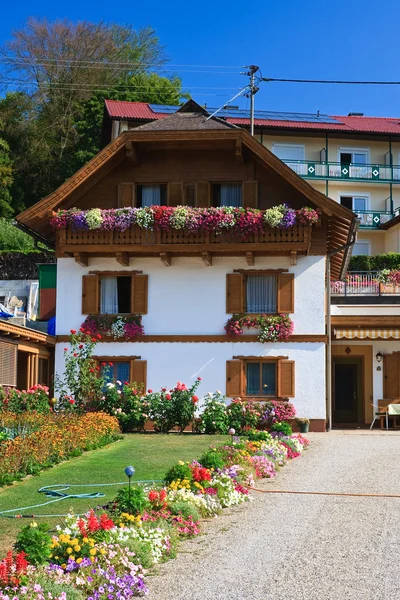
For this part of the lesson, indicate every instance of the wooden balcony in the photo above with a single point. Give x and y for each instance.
(135, 241)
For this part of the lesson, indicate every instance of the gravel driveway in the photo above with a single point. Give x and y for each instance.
(302, 547)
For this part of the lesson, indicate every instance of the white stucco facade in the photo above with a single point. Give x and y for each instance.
(189, 298)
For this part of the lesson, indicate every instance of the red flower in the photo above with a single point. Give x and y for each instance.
(91, 370)
(149, 391)
(103, 364)
(97, 368)
(73, 331)
(111, 364)
(199, 379)
(134, 391)
(65, 349)
(81, 330)
(80, 346)
(98, 336)
(75, 354)
(153, 496)
(168, 397)
(71, 401)
(126, 383)
(163, 495)
(195, 399)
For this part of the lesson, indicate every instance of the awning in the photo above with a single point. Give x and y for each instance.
(371, 334)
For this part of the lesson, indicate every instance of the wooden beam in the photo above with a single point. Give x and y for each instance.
(132, 153)
(293, 257)
(250, 258)
(207, 258)
(239, 150)
(122, 258)
(165, 258)
(81, 258)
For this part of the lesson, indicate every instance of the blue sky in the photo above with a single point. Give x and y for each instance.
(357, 39)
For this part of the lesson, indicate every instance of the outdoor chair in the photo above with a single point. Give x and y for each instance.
(382, 412)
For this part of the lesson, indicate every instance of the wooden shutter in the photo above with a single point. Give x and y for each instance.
(139, 373)
(286, 379)
(250, 194)
(286, 293)
(8, 364)
(234, 293)
(203, 194)
(125, 195)
(90, 295)
(175, 194)
(139, 293)
(391, 376)
(234, 378)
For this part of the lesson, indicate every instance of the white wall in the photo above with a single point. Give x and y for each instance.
(190, 298)
(364, 309)
(168, 363)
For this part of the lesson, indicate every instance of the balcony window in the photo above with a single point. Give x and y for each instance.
(355, 203)
(227, 194)
(151, 195)
(261, 294)
(261, 378)
(115, 295)
(362, 248)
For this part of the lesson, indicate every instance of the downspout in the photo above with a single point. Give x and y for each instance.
(352, 237)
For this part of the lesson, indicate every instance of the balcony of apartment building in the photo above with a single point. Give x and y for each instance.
(364, 287)
(352, 169)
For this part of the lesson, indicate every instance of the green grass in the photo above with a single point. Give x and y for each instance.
(151, 455)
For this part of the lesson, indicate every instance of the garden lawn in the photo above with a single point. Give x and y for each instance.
(151, 455)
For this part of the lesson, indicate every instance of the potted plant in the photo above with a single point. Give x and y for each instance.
(303, 423)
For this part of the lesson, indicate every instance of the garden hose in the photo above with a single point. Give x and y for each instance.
(59, 494)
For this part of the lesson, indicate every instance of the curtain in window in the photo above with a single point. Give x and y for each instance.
(231, 195)
(269, 379)
(151, 195)
(261, 293)
(122, 371)
(109, 296)
(253, 379)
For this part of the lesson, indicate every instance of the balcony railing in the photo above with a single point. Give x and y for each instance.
(373, 219)
(354, 172)
(363, 283)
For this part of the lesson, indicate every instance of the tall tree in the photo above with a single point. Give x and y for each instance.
(6, 177)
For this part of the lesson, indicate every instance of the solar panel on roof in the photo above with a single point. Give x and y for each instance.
(163, 108)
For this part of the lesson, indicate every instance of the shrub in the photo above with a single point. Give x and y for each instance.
(34, 399)
(243, 415)
(175, 408)
(35, 541)
(276, 410)
(258, 436)
(185, 509)
(212, 459)
(179, 471)
(214, 418)
(378, 262)
(283, 428)
(138, 500)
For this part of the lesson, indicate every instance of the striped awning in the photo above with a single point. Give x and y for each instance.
(370, 334)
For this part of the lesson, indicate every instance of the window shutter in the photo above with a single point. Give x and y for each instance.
(234, 293)
(139, 292)
(90, 295)
(139, 373)
(286, 379)
(203, 194)
(175, 194)
(234, 378)
(391, 376)
(8, 364)
(286, 293)
(250, 194)
(125, 195)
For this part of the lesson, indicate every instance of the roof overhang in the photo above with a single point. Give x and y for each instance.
(19, 333)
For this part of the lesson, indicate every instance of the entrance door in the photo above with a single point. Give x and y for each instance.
(348, 399)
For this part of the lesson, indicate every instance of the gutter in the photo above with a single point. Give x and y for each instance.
(352, 237)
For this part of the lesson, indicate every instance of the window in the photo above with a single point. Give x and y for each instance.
(119, 371)
(258, 377)
(114, 293)
(124, 368)
(355, 203)
(151, 195)
(227, 194)
(261, 379)
(260, 292)
(361, 248)
(288, 151)
(349, 156)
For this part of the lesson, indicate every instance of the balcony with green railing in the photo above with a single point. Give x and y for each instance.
(343, 171)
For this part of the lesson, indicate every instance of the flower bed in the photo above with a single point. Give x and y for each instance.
(43, 441)
(106, 554)
(16, 401)
(163, 218)
(273, 328)
(118, 327)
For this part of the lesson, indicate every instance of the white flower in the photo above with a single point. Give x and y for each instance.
(110, 386)
(218, 392)
(209, 394)
(119, 392)
(119, 383)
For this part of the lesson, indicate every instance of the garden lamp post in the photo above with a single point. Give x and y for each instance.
(129, 471)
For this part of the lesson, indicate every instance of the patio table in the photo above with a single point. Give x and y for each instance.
(394, 411)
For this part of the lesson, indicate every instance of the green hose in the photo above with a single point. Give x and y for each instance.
(60, 494)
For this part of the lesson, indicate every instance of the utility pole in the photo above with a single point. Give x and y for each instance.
(253, 89)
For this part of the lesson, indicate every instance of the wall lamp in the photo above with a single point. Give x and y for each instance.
(379, 357)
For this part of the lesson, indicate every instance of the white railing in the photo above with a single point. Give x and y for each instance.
(363, 283)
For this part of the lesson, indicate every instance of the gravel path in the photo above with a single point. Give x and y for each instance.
(302, 547)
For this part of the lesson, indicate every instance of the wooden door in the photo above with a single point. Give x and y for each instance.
(391, 375)
(348, 399)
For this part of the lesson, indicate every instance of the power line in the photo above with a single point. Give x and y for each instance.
(329, 81)
(10, 59)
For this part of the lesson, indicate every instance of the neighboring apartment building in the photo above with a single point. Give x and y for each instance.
(185, 286)
(355, 160)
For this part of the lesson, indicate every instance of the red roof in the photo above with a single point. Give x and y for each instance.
(387, 125)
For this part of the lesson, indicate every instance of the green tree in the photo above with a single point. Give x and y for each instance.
(6, 177)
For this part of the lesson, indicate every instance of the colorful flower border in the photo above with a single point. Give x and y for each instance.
(191, 220)
(276, 328)
(117, 326)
